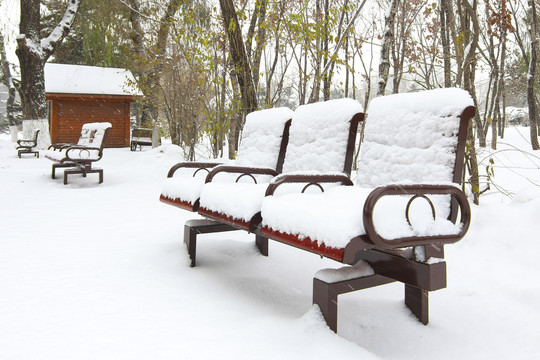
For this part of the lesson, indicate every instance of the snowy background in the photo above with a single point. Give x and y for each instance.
(99, 271)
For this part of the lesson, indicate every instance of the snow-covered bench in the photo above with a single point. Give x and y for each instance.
(263, 144)
(405, 206)
(412, 155)
(321, 140)
(141, 137)
(79, 157)
(26, 146)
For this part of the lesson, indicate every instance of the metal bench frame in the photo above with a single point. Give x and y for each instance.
(27, 146)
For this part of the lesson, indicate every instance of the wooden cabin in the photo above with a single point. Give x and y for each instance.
(77, 95)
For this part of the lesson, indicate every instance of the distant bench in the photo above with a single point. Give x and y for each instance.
(79, 157)
(26, 146)
(141, 137)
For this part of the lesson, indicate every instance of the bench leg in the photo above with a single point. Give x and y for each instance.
(83, 172)
(325, 294)
(417, 300)
(201, 226)
(190, 239)
(262, 244)
(59, 165)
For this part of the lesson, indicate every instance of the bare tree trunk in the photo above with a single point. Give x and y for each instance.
(384, 64)
(347, 68)
(493, 103)
(469, 66)
(502, 89)
(499, 117)
(268, 102)
(326, 75)
(238, 53)
(151, 74)
(235, 120)
(8, 81)
(259, 17)
(314, 96)
(533, 111)
(445, 36)
(33, 51)
(454, 35)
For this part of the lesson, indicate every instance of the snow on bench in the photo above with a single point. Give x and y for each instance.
(262, 145)
(80, 156)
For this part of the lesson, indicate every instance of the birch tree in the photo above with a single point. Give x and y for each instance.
(388, 41)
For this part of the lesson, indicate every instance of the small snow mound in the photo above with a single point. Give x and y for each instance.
(526, 194)
(167, 150)
(313, 321)
(360, 269)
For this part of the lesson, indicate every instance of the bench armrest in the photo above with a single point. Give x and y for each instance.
(421, 190)
(60, 146)
(313, 179)
(242, 170)
(192, 164)
(81, 150)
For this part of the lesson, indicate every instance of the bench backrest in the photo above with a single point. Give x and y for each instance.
(322, 137)
(141, 133)
(93, 134)
(416, 138)
(413, 137)
(264, 138)
(36, 133)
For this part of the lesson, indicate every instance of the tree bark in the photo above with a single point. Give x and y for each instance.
(238, 53)
(8, 81)
(152, 63)
(533, 111)
(259, 17)
(384, 64)
(33, 52)
(469, 68)
(445, 40)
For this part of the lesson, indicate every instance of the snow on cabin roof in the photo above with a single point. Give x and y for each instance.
(79, 79)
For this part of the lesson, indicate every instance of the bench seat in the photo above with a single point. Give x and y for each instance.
(73, 153)
(335, 217)
(407, 202)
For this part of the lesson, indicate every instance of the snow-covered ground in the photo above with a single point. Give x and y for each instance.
(99, 271)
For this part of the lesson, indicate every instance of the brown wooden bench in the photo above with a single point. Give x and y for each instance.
(141, 137)
(413, 152)
(26, 146)
(79, 157)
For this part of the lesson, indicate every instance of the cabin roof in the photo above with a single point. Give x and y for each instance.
(79, 79)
